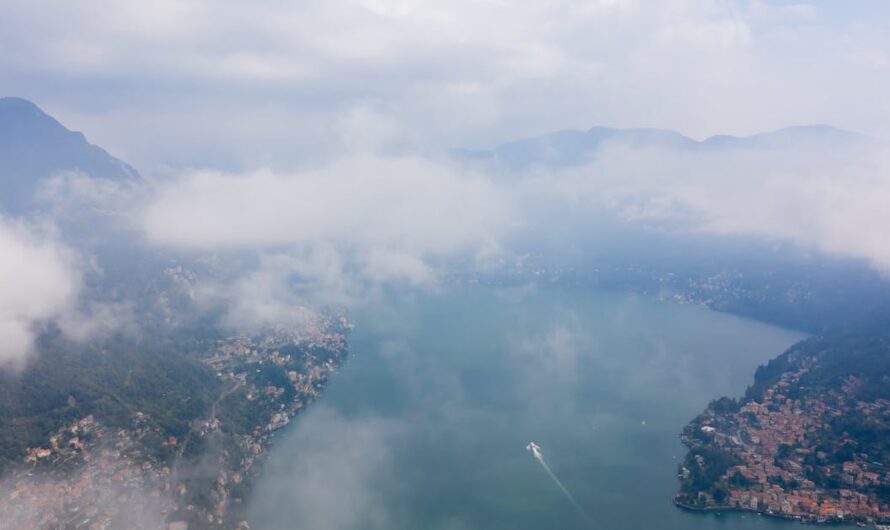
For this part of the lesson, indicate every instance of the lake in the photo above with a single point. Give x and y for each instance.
(426, 425)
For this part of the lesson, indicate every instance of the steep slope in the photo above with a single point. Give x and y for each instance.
(810, 439)
(34, 146)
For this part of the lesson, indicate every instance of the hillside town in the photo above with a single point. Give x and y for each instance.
(89, 477)
(777, 458)
(92, 477)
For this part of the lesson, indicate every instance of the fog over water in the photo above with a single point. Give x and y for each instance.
(427, 424)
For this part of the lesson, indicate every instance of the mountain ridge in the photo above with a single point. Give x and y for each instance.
(571, 147)
(35, 146)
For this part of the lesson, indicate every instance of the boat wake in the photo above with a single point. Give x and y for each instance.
(539, 456)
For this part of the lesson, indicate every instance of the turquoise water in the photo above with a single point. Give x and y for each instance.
(426, 425)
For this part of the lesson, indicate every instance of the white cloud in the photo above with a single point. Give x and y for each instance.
(331, 235)
(39, 283)
(383, 266)
(333, 481)
(269, 296)
(93, 319)
(43, 283)
(401, 204)
(335, 234)
(829, 199)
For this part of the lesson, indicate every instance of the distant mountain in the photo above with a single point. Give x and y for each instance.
(34, 146)
(799, 136)
(569, 148)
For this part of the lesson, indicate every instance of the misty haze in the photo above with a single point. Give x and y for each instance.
(379, 264)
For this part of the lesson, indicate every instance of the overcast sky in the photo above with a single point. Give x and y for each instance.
(306, 132)
(240, 85)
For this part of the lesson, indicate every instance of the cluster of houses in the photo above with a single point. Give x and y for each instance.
(86, 477)
(90, 477)
(776, 441)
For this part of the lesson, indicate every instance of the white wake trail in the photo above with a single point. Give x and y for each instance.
(536, 451)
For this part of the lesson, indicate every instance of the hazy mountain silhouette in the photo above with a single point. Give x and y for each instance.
(34, 146)
(570, 148)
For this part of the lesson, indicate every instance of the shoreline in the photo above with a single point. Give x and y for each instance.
(802, 519)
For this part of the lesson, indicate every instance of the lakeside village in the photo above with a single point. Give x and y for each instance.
(775, 458)
(92, 477)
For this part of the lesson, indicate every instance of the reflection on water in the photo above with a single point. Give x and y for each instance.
(427, 424)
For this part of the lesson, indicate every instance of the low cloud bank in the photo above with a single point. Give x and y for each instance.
(341, 232)
(832, 200)
(402, 204)
(388, 218)
(337, 233)
(333, 481)
(39, 283)
(45, 285)
(330, 235)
